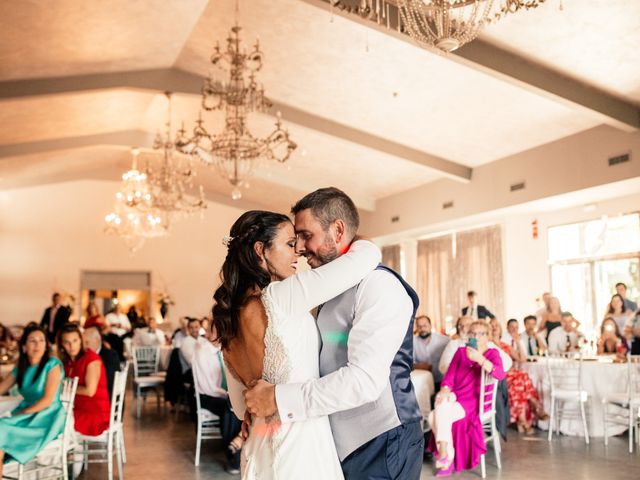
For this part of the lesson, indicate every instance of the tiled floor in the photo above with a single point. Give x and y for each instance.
(161, 447)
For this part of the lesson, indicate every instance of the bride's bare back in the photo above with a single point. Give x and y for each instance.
(245, 354)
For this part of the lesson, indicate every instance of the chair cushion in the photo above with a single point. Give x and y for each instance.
(148, 381)
(207, 416)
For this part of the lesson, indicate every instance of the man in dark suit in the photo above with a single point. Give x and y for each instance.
(473, 310)
(55, 317)
(93, 340)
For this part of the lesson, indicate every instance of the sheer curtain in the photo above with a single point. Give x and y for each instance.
(391, 257)
(451, 265)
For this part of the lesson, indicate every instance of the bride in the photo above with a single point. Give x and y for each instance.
(262, 315)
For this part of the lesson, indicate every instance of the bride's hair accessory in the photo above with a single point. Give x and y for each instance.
(226, 240)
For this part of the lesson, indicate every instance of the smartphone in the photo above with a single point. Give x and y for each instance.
(473, 343)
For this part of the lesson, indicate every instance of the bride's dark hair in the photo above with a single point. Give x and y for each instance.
(241, 270)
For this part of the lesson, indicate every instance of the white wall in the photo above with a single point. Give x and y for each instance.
(48, 234)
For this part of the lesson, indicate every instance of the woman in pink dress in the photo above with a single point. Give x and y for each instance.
(458, 437)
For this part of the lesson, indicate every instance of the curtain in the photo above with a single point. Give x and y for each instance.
(451, 265)
(391, 257)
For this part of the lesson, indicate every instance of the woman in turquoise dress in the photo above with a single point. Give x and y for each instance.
(39, 418)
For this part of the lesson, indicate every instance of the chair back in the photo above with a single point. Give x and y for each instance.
(145, 360)
(67, 397)
(196, 388)
(564, 371)
(488, 394)
(633, 376)
(117, 397)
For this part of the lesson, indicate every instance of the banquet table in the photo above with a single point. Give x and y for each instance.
(599, 377)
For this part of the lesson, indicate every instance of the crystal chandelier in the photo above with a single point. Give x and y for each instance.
(449, 24)
(235, 152)
(171, 177)
(134, 218)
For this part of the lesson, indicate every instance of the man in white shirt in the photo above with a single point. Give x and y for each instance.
(119, 322)
(427, 348)
(150, 336)
(534, 342)
(207, 366)
(188, 346)
(565, 339)
(463, 327)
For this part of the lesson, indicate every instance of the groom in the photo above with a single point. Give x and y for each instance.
(365, 359)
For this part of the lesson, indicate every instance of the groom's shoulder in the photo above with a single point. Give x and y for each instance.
(382, 281)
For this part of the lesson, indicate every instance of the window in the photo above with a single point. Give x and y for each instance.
(587, 260)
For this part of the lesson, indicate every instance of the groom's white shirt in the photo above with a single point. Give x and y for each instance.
(383, 311)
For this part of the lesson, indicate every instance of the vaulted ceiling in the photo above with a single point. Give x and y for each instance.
(372, 112)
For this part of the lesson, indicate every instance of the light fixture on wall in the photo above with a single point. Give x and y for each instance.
(171, 176)
(134, 217)
(235, 151)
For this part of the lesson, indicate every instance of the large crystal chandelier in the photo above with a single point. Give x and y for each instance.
(171, 178)
(449, 24)
(235, 152)
(134, 217)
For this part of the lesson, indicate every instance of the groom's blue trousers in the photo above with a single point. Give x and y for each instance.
(396, 454)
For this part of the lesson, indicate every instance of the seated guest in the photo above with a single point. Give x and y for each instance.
(427, 348)
(119, 322)
(181, 333)
(149, 336)
(552, 318)
(40, 417)
(92, 407)
(463, 326)
(619, 312)
(611, 340)
(512, 334)
(564, 339)
(113, 341)
(188, 345)
(524, 400)
(212, 385)
(94, 319)
(475, 311)
(534, 342)
(457, 430)
(92, 340)
(621, 289)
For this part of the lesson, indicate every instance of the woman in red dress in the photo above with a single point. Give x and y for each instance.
(525, 406)
(92, 407)
(94, 319)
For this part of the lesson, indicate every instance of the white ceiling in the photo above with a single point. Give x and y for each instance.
(336, 69)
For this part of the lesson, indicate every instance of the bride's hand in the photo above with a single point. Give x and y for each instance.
(261, 399)
(246, 423)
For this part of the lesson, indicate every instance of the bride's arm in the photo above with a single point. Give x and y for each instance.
(235, 389)
(304, 291)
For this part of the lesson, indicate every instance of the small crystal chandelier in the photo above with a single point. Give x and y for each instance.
(172, 177)
(134, 218)
(234, 152)
(449, 24)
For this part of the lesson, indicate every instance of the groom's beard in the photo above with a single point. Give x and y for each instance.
(327, 253)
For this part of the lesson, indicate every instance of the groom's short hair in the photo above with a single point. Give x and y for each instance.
(328, 205)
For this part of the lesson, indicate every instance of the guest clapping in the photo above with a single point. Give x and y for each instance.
(39, 418)
(611, 340)
(459, 437)
(565, 339)
(92, 405)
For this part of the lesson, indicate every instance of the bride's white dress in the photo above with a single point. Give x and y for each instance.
(298, 450)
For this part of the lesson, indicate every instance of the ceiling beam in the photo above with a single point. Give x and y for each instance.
(179, 81)
(124, 138)
(514, 69)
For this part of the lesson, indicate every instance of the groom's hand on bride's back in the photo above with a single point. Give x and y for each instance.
(260, 399)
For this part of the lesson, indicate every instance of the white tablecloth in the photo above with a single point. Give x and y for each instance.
(8, 403)
(598, 378)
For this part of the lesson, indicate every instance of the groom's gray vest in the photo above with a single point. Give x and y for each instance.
(396, 405)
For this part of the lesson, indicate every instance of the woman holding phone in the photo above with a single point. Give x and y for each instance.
(458, 438)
